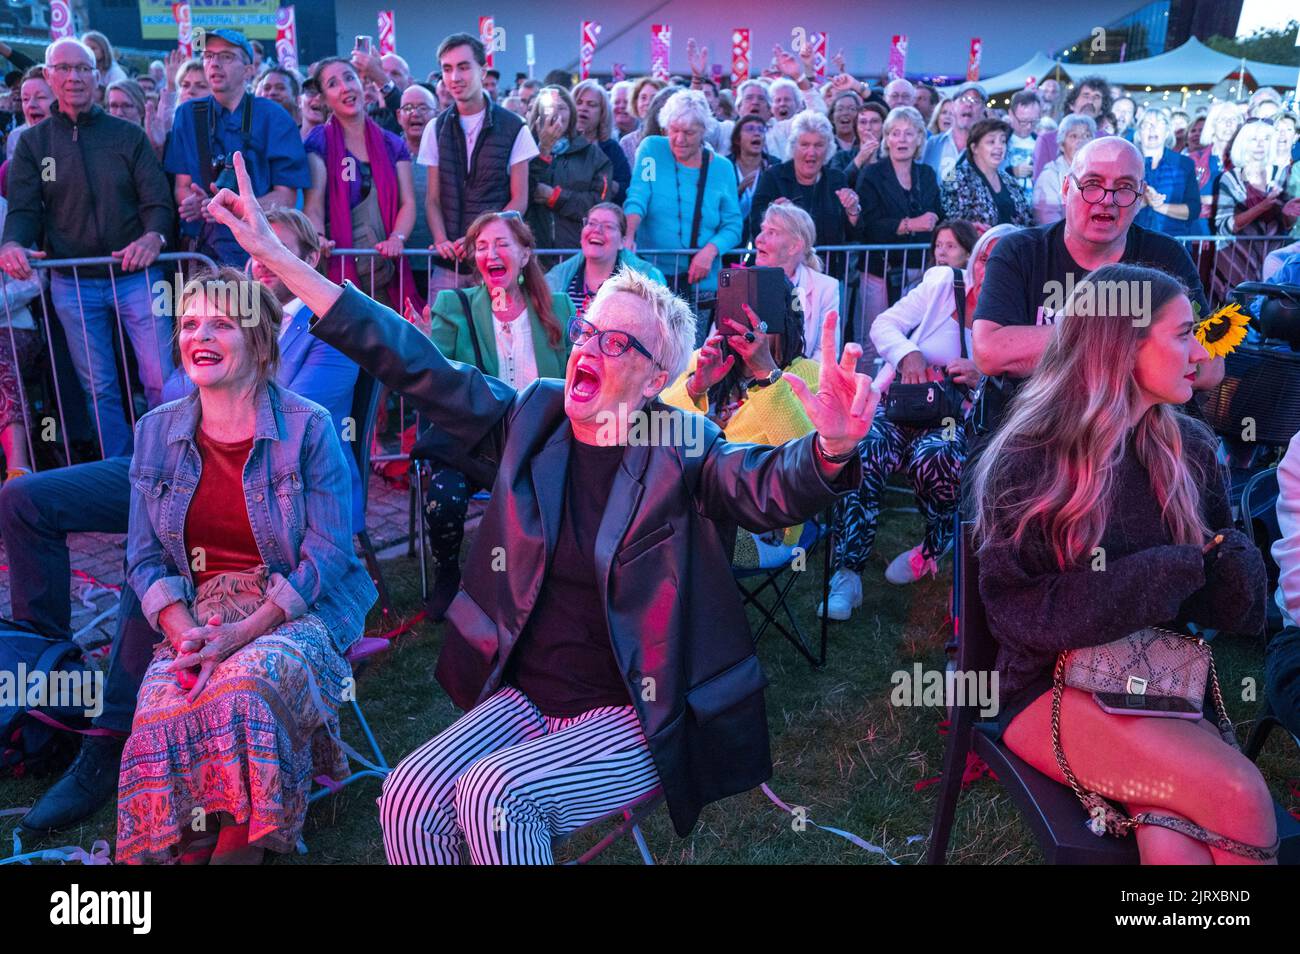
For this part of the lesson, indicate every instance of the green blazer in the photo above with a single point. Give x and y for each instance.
(451, 334)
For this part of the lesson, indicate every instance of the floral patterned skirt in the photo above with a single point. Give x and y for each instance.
(249, 746)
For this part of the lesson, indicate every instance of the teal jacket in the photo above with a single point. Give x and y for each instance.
(450, 332)
(560, 276)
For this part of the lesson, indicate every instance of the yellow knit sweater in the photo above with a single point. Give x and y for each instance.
(771, 415)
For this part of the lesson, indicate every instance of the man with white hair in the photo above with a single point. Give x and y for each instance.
(620, 99)
(1031, 273)
(601, 662)
(900, 92)
(942, 151)
(64, 193)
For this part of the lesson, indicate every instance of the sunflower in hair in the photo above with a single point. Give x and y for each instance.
(1223, 331)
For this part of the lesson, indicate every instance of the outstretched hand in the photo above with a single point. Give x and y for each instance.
(846, 399)
(243, 215)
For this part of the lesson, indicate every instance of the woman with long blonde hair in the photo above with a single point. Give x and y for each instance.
(1095, 501)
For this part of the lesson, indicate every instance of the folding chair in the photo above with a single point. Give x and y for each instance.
(631, 815)
(374, 765)
(1054, 815)
(365, 408)
(754, 582)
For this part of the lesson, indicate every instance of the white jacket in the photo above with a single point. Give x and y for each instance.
(817, 294)
(1287, 549)
(921, 321)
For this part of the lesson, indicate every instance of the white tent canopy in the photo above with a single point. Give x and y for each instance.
(1192, 64)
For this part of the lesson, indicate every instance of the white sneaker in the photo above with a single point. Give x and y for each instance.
(908, 567)
(845, 595)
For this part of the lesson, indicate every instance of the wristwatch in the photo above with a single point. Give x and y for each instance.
(770, 380)
(162, 239)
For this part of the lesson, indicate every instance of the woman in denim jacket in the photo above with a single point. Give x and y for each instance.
(240, 551)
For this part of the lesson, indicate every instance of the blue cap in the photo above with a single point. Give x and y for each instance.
(234, 38)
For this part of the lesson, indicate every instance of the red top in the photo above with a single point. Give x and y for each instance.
(217, 520)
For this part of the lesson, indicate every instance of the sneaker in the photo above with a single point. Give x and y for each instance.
(909, 567)
(845, 596)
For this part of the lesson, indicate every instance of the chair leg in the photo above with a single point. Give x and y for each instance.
(417, 490)
(1259, 734)
(954, 767)
(372, 565)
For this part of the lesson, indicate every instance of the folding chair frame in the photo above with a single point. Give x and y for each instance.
(771, 579)
(631, 816)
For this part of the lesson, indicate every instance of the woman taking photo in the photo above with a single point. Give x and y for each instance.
(240, 549)
(602, 254)
(900, 206)
(978, 189)
(363, 191)
(595, 123)
(1096, 462)
(920, 340)
(786, 242)
(510, 326)
(690, 200)
(1049, 200)
(751, 160)
(569, 175)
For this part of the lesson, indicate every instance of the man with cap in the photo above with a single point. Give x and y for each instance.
(206, 132)
(942, 151)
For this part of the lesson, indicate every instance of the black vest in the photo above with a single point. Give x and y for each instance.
(468, 189)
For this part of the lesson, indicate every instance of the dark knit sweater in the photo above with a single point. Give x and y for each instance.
(1035, 611)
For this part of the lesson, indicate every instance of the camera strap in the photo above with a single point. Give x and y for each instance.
(203, 120)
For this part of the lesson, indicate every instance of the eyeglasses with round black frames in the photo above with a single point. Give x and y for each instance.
(612, 342)
(1095, 194)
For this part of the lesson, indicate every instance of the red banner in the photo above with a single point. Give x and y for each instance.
(487, 34)
(661, 42)
(387, 33)
(818, 41)
(184, 31)
(973, 67)
(60, 20)
(286, 38)
(587, 48)
(739, 56)
(898, 56)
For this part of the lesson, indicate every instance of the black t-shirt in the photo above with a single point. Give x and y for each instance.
(1031, 274)
(564, 661)
(1005, 205)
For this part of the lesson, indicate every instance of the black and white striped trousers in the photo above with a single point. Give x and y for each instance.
(506, 780)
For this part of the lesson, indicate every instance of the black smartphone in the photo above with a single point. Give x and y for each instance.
(763, 288)
(1169, 707)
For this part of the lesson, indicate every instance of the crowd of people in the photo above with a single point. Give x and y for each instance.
(239, 491)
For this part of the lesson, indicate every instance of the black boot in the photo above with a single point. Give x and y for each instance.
(83, 790)
(445, 587)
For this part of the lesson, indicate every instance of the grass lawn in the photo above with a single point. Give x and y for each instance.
(839, 747)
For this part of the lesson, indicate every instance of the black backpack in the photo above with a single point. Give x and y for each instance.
(36, 744)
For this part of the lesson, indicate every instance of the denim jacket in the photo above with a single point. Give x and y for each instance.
(296, 489)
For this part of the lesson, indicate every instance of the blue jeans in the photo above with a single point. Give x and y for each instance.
(37, 512)
(86, 307)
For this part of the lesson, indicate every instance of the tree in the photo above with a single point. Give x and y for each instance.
(1265, 46)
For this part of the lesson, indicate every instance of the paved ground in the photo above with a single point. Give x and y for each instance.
(100, 555)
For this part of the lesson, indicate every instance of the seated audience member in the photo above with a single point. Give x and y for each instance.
(786, 241)
(94, 209)
(978, 189)
(953, 242)
(660, 207)
(602, 254)
(362, 191)
(21, 345)
(1172, 199)
(806, 181)
(900, 206)
(510, 326)
(550, 669)
(918, 339)
(1027, 276)
(595, 123)
(38, 512)
(250, 675)
(569, 175)
(1282, 663)
(1096, 458)
(1049, 201)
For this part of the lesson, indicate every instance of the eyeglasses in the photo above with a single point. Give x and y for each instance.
(224, 57)
(411, 108)
(1095, 194)
(63, 69)
(603, 226)
(612, 342)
